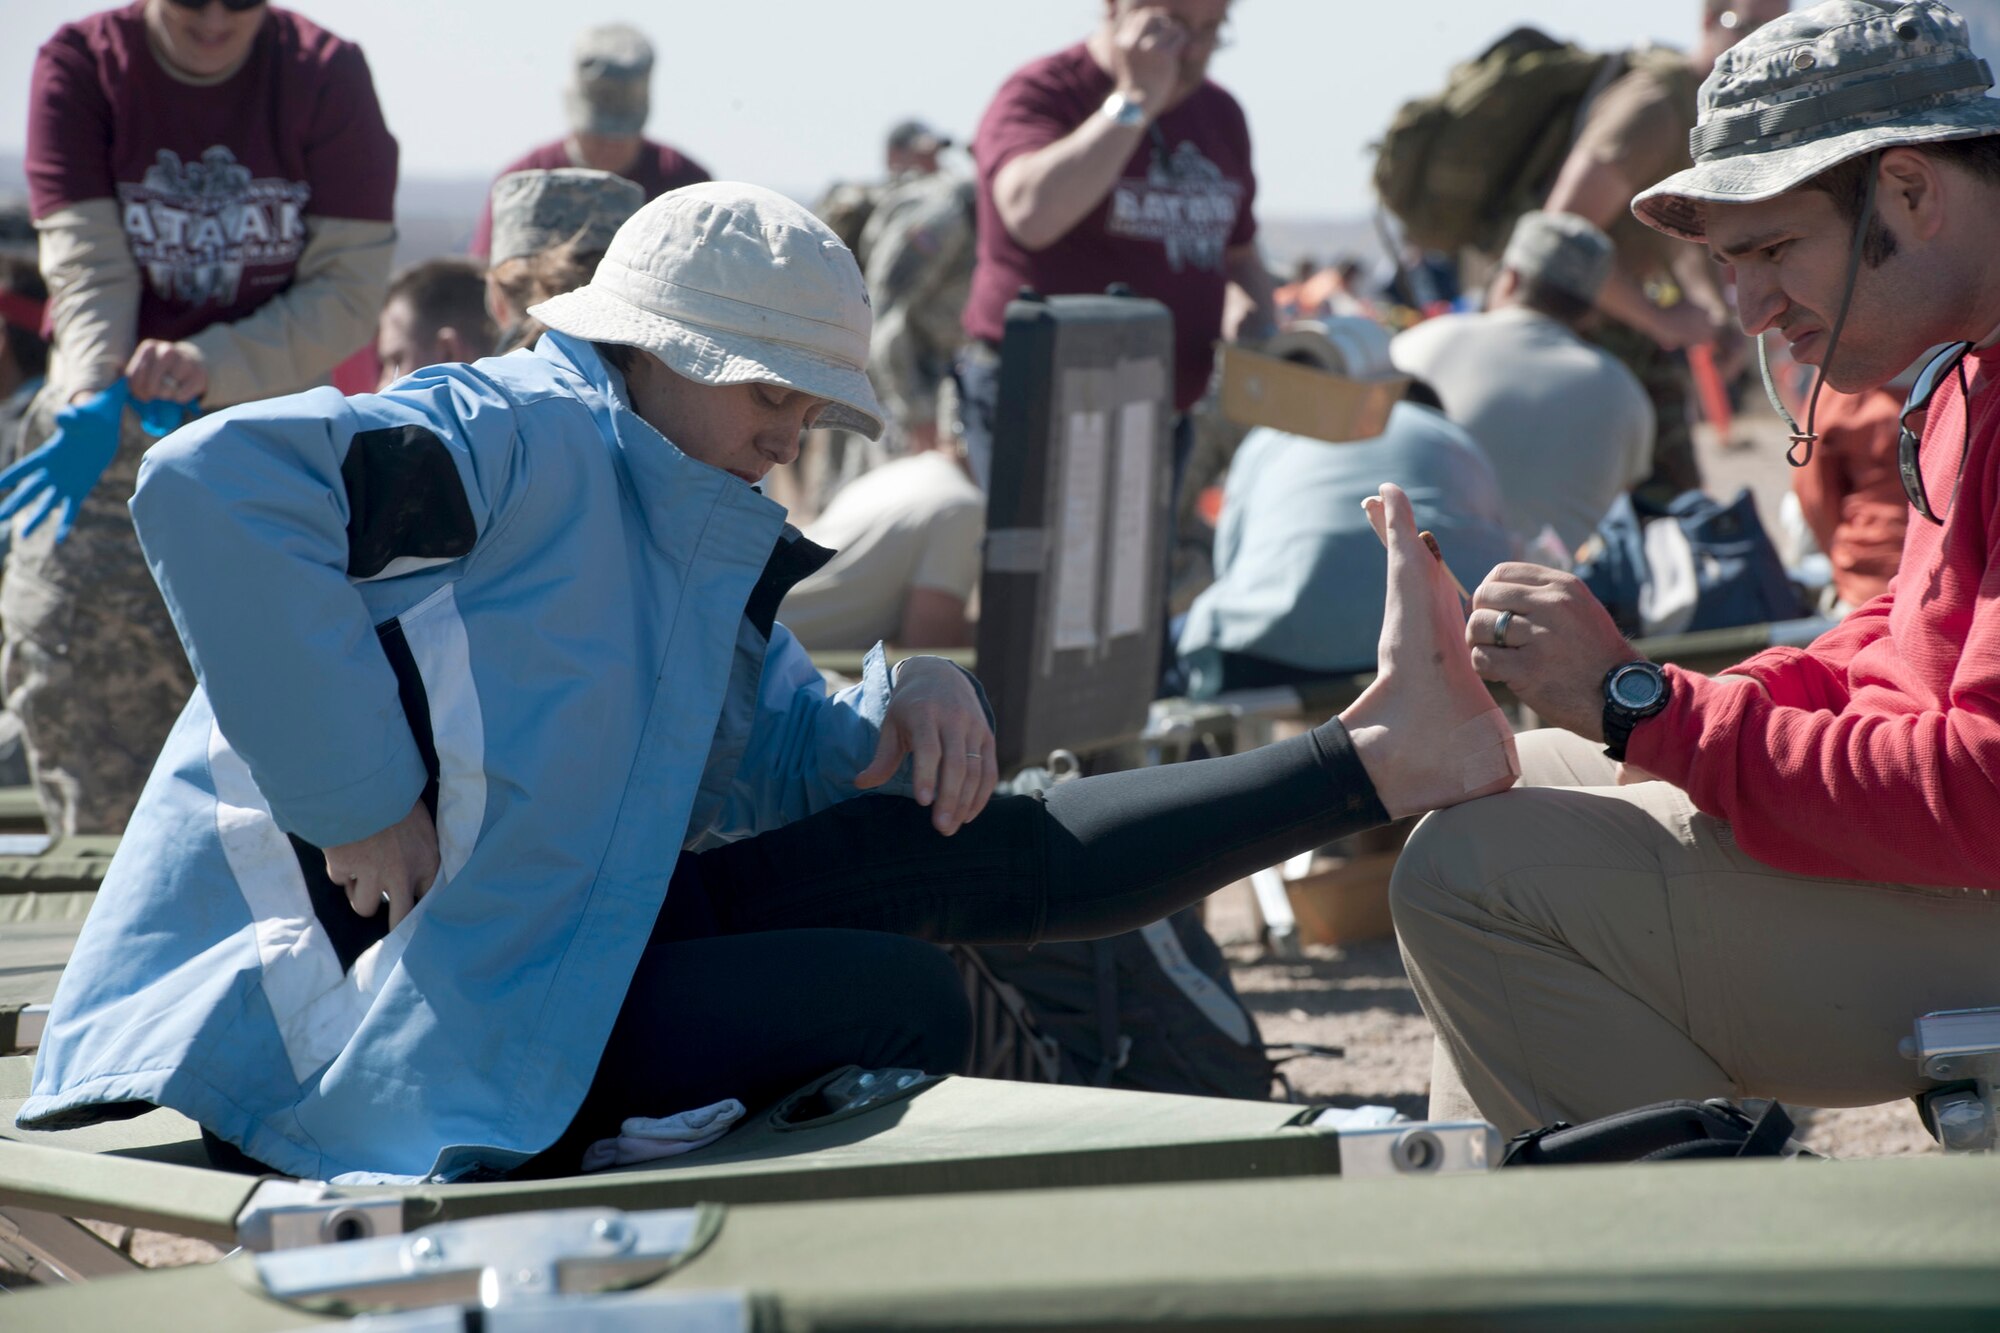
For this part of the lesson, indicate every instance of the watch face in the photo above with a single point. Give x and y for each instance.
(1636, 688)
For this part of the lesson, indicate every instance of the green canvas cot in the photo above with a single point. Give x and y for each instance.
(46, 888)
(1705, 1245)
(946, 1135)
(20, 810)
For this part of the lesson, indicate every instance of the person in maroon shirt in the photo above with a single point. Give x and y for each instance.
(608, 102)
(1116, 161)
(1753, 884)
(213, 189)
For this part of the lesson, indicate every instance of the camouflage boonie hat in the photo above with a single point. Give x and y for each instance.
(608, 91)
(536, 210)
(1810, 90)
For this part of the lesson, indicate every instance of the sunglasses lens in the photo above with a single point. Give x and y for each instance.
(1916, 410)
(1908, 449)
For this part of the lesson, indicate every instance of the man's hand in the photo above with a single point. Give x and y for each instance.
(1560, 644)
(397, 864)
(935, 716)
(172, 371)
(1146, 57)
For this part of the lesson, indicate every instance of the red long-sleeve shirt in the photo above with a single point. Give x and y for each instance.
(1876, 754)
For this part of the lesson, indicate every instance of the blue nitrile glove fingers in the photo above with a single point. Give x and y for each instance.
(161, 417)
(61, 472)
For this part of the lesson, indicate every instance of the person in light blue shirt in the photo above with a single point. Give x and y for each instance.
(505, 812)
(1298, 570)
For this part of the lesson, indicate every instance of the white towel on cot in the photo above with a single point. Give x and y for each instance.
(643, 1140)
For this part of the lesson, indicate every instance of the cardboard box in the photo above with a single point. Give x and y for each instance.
(1345, 902)
(1259, 390)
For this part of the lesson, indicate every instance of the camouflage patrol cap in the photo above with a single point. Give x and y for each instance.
(1562, 250)
(608, 91)
(1815, 88)
(915, 136)
(536, 210)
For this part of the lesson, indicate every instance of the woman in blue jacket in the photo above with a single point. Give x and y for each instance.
(504, 809)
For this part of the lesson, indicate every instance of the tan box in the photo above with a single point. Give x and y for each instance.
(1259, 390)
(1345, 903)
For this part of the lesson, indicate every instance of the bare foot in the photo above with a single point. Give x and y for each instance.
(1427, 731)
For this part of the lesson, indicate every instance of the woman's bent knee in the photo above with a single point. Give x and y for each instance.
(919, 987)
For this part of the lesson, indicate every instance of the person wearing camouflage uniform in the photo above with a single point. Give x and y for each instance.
(919, 248)
(1635, 132)
(912, 233)
(201, 259)
(91, 664)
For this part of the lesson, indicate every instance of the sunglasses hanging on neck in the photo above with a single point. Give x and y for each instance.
(1949, 360)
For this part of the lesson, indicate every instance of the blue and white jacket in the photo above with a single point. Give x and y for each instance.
(492, 586)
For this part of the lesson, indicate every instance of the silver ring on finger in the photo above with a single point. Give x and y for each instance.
(1501, 625)
(974, 754)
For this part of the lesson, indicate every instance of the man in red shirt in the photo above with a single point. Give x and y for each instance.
(1797, 858)
(1116, 160)
(608, 100)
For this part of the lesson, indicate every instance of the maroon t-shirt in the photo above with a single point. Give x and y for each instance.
(660, 168)
(1183, 202)
(213, 183)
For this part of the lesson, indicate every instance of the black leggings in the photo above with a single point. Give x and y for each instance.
(782, 956)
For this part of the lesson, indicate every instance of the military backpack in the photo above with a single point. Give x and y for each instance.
(1458, 167)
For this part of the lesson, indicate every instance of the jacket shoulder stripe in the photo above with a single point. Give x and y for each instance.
(404, 498)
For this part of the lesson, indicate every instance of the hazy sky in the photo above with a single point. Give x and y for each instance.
(793, 93)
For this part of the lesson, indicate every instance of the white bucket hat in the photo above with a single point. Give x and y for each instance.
(734, 284)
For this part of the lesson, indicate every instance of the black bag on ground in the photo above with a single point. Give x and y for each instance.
(1695, 564)
(1151, 1009)
(1664, 1132)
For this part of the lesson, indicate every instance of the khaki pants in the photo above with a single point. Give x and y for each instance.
(1582, 948)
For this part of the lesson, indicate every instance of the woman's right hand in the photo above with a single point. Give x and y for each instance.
(396, 865)
(165, 370)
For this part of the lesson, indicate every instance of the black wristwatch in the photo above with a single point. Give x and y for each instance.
(1633, 692)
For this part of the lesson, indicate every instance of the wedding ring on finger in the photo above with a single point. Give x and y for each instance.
(1501, 625)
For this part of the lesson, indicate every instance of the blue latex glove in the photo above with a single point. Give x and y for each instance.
(161, 417)
(56, 477)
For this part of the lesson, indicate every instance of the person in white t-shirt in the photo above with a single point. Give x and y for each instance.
(907, 537)
(1566, 426)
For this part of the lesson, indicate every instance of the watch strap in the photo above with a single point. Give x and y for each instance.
(1122, 110)
(1619, 720)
